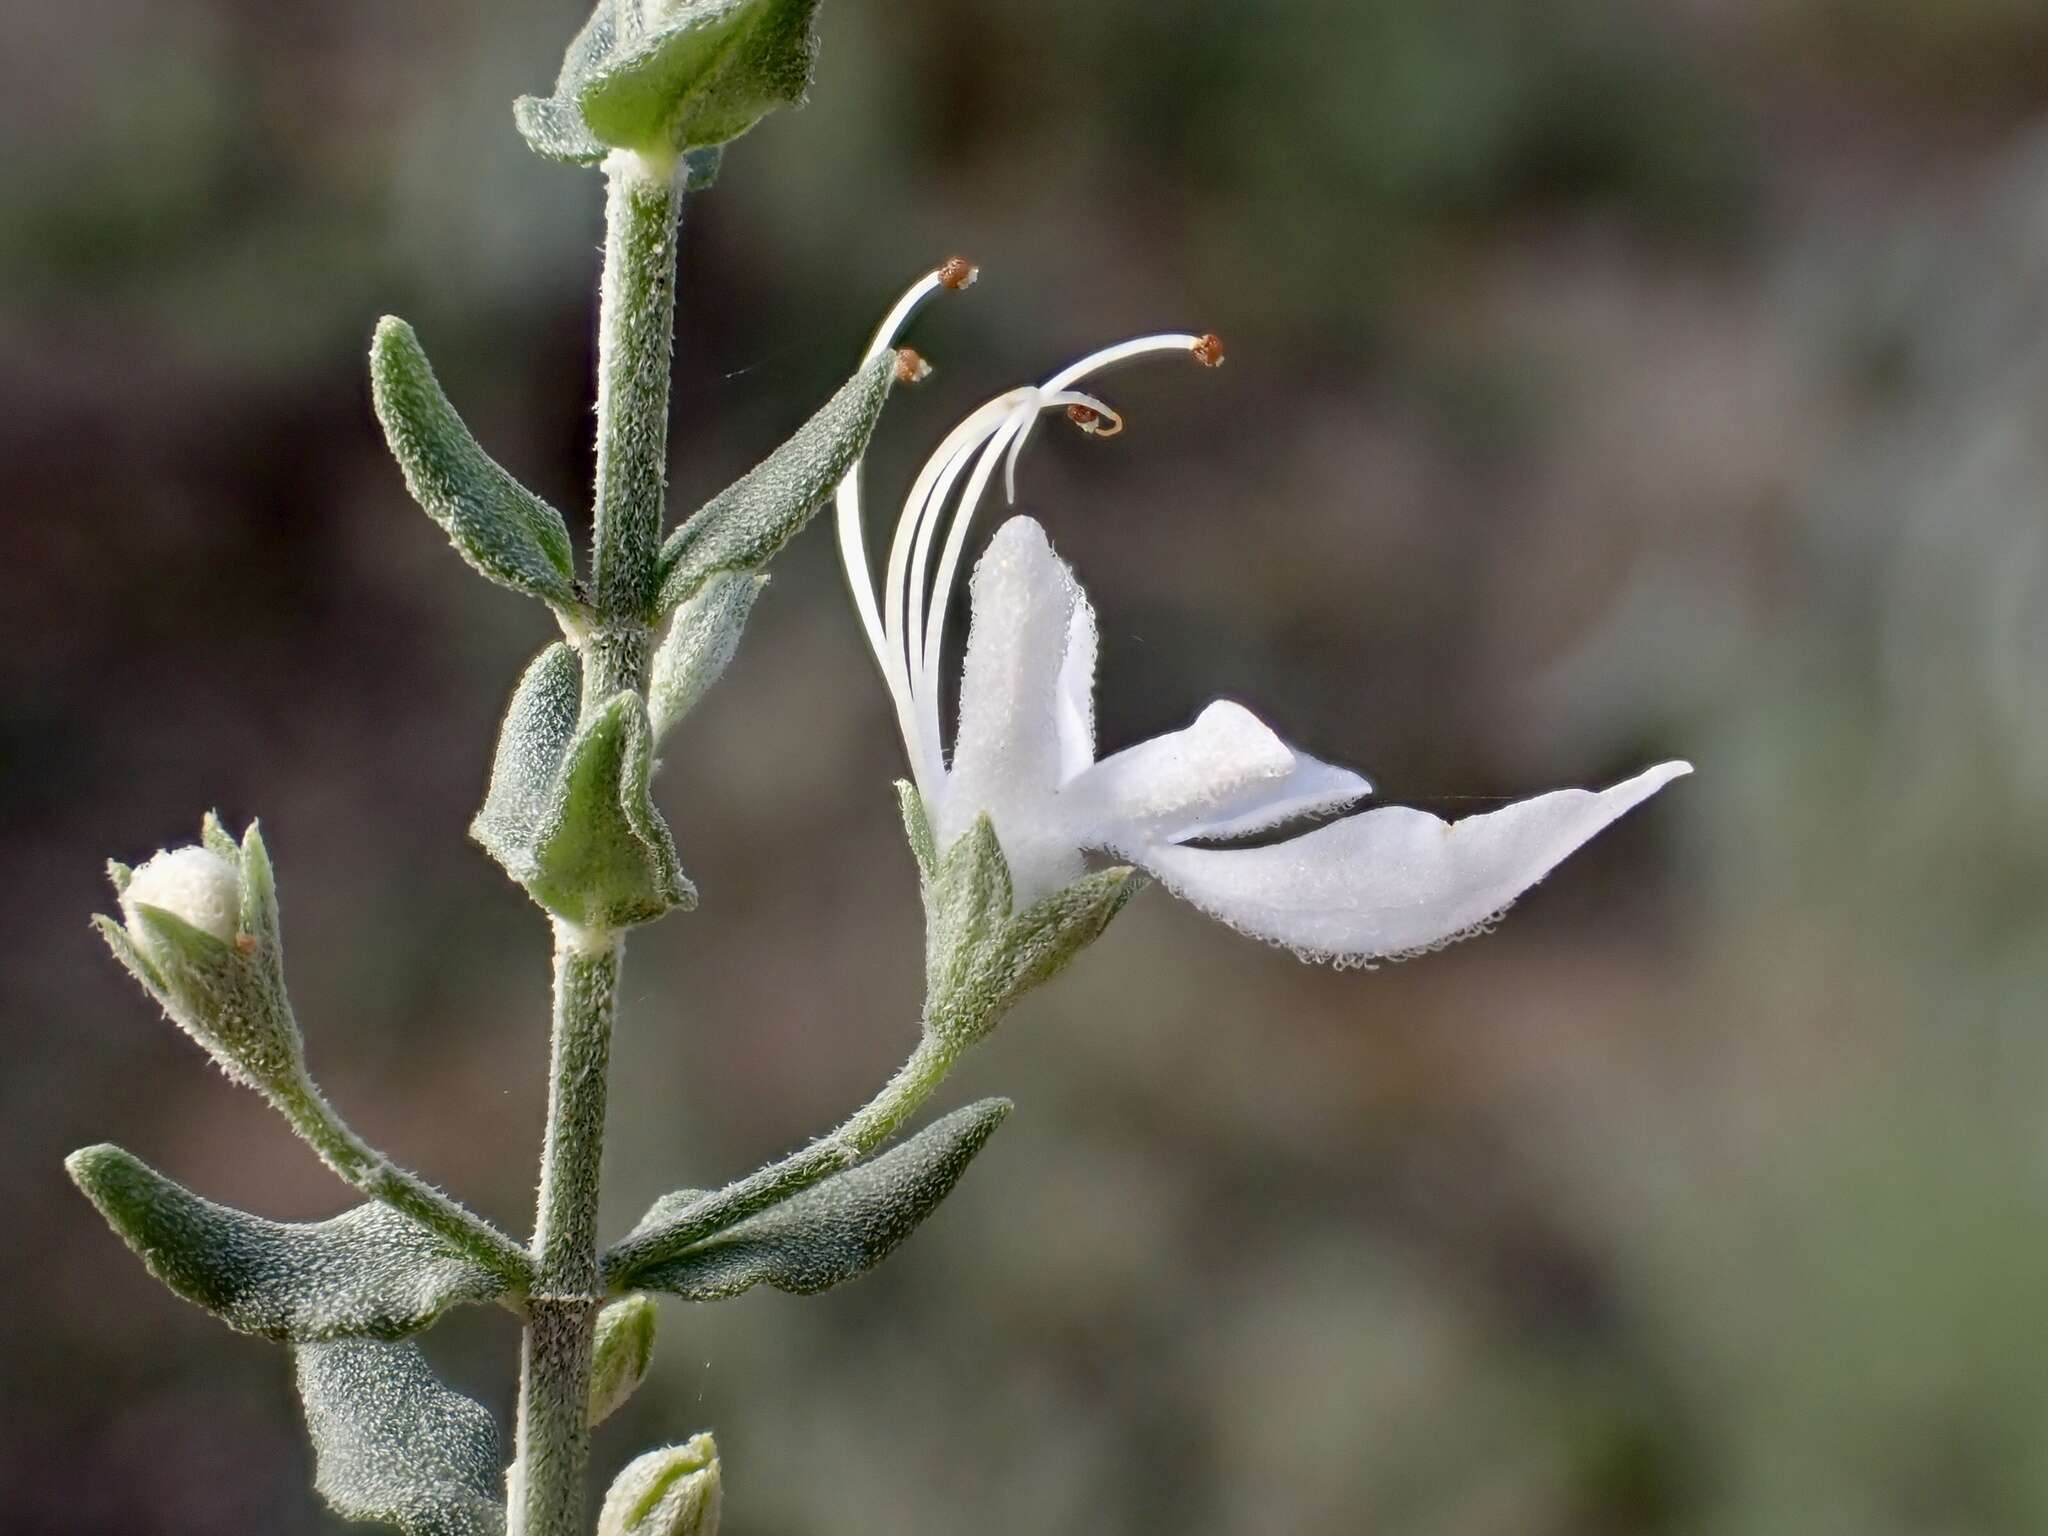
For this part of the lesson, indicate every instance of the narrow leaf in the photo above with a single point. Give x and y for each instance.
(392, 1444)
(837, 1229)
(495, 523)
(604, 857)
(744, 525)
(700, 167)
(539, 725)
(553, 125)
(704, 72)
(701, 641)
(368, 1273)
(620, 1355)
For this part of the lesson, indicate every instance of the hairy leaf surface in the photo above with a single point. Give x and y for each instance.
(369, 1272)
(836, 1229)
(392, 1444)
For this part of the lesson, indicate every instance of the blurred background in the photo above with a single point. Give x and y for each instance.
(1608, 382)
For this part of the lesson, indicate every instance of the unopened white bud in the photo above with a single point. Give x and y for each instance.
(193, 883)
(675, 1491)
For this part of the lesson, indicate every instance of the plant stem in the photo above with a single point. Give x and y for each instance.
(370, 1171)
(863, 1131)
(636, 334)
(561, 1313)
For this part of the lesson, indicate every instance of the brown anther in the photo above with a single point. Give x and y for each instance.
(245, 943)
(1209, 351)
(911, 366)
(1093, 422)
(957, 272)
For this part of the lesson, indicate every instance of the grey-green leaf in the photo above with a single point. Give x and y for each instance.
(836, 1229)
(604, 857)
(369, 1273)
(532, 743)
(553, 125)
(621, 1354)
(392, 1444)
(701, 641)
(744, 525)
(701, 166)
(700, 73)
(495, 523)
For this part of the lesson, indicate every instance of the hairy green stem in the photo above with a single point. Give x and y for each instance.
(863, 1131)
(636, 333)
(375, 1175)
(561, 1312)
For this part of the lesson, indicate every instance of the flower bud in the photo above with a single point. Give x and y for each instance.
(674, 1491)
(192, 883)
(199, 930)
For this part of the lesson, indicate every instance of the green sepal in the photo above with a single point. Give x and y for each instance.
(700, 73)
(744, 525)
(118, 875)
(259, 917)
(392, 1444)
(604, 857)
(980, 957)
(215, 838)
(132, 959)
(917, 827)
(496, 524)
(620, 1354)
(701, 641)
(369, 1273)
(966, 901)
(836, 1229)
(675, 1491)
(227, 997)
(1037, 944)
(539, 724)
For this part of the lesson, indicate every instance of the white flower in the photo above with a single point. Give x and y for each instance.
(193, 883)
(1383, 883)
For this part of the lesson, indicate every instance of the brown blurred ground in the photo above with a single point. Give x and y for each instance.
(1608, 382)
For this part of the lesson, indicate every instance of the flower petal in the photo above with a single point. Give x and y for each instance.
(1226, 775)
(1393, 882)
(1007, 756)
(1075, 713)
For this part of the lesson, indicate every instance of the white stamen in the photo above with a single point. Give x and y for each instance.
(906, 625)
(1123, 351)
(853, 543)
(933, 645)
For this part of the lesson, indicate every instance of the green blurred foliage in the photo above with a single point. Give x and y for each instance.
(1607, 381)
